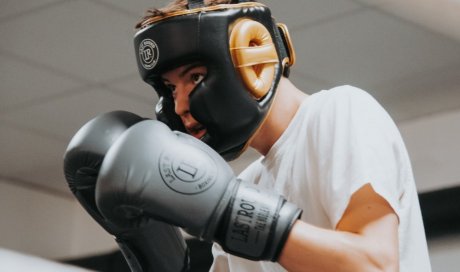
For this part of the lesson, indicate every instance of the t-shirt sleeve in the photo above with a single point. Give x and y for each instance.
(357, 143)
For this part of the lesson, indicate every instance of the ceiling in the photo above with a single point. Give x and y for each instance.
(64, 61)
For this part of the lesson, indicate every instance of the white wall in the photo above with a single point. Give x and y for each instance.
(12, 261)
(47, 225)
(434, 147)
(445, 254)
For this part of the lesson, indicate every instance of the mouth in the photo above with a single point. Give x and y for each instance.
(198, 131)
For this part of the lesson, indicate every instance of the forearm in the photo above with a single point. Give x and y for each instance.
(310, 248)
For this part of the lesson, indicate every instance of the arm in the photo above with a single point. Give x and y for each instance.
(365, 239)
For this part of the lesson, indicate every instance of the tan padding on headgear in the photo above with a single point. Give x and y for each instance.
(254, 56)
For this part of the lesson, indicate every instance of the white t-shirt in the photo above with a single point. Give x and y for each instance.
(338, 141)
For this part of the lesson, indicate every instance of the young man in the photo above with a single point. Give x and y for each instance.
(336, 154)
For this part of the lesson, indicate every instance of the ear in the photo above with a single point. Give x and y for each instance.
(254, 56)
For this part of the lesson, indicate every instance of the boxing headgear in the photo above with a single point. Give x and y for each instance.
(245, 53)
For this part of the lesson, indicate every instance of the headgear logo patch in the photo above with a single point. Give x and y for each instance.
(148, 53)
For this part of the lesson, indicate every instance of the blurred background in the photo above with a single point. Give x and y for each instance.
(62, 62)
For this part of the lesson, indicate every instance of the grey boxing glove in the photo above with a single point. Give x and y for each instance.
(147, 245)
(153, 172)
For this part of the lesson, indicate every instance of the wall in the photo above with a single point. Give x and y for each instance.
(434, 147)
(444, 253)
(47, 225)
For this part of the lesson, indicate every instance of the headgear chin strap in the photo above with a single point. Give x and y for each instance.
(245, 53)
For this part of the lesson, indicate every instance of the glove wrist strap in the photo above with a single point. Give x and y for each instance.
(288, 215)
(255, 229)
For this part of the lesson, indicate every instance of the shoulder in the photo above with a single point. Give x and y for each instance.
(347, 111)
(348, 93)
(345, 101)
(348, 90)
(334, 101)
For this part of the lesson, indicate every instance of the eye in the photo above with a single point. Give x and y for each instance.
(197, 78)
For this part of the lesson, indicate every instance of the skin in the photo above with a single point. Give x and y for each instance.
(181, 81)
(366, 237)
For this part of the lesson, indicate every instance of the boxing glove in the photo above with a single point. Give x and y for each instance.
(153, 172)
(147, 245)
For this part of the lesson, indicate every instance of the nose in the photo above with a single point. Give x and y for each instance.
(181, 101)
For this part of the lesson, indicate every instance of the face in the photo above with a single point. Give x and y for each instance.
(182, 81)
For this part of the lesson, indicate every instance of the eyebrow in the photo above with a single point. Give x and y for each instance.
(188, 67)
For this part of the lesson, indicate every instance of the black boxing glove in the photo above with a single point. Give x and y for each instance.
(153, 172)
(147, 245)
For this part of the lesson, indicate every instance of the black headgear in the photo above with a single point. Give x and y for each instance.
(245, 53)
